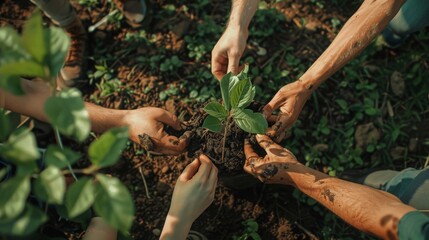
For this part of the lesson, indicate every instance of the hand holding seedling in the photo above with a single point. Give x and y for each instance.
(290, 99)
(148, 123)
(227, 52)
(194, 192)
(274, 166)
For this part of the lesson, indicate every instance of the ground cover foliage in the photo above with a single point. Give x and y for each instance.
(371, 113)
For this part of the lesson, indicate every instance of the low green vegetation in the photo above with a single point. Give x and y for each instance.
(40, 52)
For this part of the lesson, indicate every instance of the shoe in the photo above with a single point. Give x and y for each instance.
(75, 64)
(392, 39)
(134, 11)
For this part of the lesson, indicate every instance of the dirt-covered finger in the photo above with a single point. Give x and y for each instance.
(170, 145)
(266, 143)
(274, 104)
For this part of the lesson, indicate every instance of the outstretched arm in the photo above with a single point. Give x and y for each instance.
(228, 50)
(367, 209)
(368, 21)
(143, 121)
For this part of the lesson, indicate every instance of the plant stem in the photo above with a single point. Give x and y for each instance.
(53, 84)
(225, 131)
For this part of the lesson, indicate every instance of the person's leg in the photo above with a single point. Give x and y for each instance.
(412, 17)
(59, 11)
(62, 13)
(412, 187)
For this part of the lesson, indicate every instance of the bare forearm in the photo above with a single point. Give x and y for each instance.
(242, 12)
(368, 21)
(31, 103)
(37, 92)
(367, 209)
(102, 119)
(175, 228)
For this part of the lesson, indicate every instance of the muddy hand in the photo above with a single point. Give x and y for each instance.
(290, 99)
(147, 128)
(274, 166)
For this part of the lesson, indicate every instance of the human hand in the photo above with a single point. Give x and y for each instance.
(194, 190)
(227, 52)
(272, 167)
(146, 127)
(290, 99)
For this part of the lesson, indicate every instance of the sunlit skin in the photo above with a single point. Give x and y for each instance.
(365, 24)
(147, 120)
(367, 209)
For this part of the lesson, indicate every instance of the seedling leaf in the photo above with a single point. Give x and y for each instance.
(114, 203)
(224, 87)
(14, 193)
(242, 94)
(50, 186)
(60, 158)
(21, 147)
(106, 150)
(213, 124)
(26, 223)
(216, 110)
(67, 112)
(33, 38)
(80, 196)
(249, 121)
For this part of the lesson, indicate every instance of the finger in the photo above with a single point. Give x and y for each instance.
(281, 136)
(251, 157)
(168, 118)
(272, 118)
(212, 179)
(172, 145)
(205, 168)
(274, 104)
(266, 143)
(233, 61)
(190, 170)
(219, 65)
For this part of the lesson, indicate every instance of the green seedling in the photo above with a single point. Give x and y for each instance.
(237, 94)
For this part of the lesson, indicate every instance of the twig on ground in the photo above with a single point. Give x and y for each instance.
(306, 231)
(144, 182)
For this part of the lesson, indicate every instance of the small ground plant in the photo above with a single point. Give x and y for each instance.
(237, 94)
(40, 52)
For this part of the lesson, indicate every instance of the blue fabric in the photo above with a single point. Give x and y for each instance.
(413, 226)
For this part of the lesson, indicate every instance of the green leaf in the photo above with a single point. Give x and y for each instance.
(213, 124)
(11, 46)
(33, 37)
(23, 68)
(14, 193)
(11, 84)
(60, 158)
(249, 121)
(243, 74)
(26, 223)
(50, 186)
(67, 112)
(5, 126)
(216, 110)
(21, 147)
(224, 87)
(59, 43)
(114, 203)
(242, 94)
(80, 196)
(106, 150)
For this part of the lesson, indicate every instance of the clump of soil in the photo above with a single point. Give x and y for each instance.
(211, 143)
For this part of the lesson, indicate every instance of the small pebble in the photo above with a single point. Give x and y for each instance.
(156, 232)
(165, 169)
